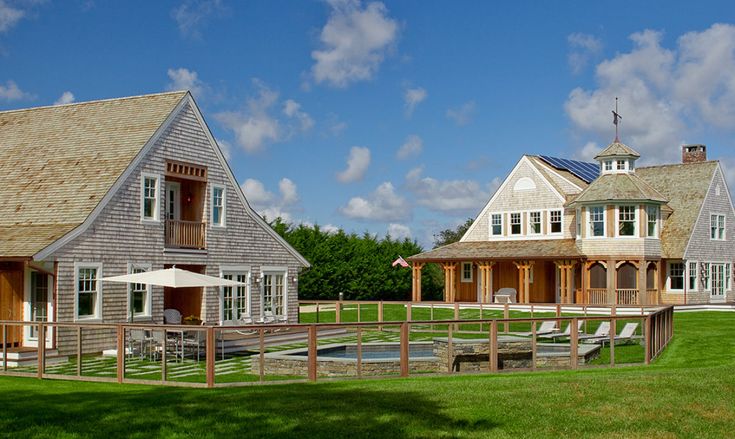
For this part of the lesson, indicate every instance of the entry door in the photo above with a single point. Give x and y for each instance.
(11, 304)
(173, 200)
(718, 282)
(39, 307)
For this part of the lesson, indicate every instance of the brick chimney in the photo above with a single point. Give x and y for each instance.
(693, 153)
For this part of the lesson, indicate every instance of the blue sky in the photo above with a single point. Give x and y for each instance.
(392, 116)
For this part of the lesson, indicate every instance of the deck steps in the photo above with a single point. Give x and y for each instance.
(29, 357)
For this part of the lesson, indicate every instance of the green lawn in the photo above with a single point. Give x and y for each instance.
(688, 392)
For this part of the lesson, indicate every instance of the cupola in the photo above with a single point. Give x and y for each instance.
(617, 158)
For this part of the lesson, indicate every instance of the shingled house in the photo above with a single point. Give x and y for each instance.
(111, 187)
(564, 231)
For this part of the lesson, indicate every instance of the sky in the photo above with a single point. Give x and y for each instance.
(399, 117)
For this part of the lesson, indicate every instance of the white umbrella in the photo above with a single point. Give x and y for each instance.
(174, 278)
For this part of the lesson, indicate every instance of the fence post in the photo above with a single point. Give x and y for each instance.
(647, 338)
(120, 353)
(41, 349)
(338, 311)
(210, 353)
(5, 347)
(613, 333)
(450, 350)
(359, 352)
(573, 343)
(558, 310)
(404, 349)
(380, 315)
(533, 345)
(164, 372)
(493, 360)
(261, 354)
(506, 315)
(312, 353)
(456, 315)
(408, 311)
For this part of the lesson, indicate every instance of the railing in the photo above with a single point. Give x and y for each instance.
(185, 234)
(597, 296)
(197, 355)
(627, 296)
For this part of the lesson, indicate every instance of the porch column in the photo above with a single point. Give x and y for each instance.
(612, 280)
(566, 280)
(486, 281)
(524, 280)
(643, 298)
(416, 281)
(449, 271)
(584, 281)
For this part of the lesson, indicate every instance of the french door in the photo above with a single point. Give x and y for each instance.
(717, 292)
(235, 300)
(39, 307)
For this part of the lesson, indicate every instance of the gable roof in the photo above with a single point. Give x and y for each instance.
(619, 187)
(686, 186)
(516, 249)
(617, 149)
(57, 163)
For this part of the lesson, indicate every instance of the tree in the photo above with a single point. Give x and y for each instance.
(448, 236)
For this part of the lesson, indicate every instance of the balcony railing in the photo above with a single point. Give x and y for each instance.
(185, 234)
(627, 296)
(597, 296)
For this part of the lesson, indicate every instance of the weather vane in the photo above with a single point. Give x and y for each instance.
(616, 119)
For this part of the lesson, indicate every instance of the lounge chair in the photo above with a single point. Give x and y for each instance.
(567, 332)
(626, 335)
(505, 295)
(547, 327)
(602, 331)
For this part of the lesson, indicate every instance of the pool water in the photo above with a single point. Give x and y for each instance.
(376, 352)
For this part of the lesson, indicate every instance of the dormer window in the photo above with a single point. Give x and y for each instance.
(608, 165)
(621, 165)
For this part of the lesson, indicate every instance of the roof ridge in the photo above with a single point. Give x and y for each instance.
(676, 164)
(95, 101)
(639, 183)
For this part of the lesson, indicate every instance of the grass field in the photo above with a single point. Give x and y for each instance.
(688, 392)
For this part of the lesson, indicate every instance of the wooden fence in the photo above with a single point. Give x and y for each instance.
(656, 331)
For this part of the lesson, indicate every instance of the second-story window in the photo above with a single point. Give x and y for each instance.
(717, 223)
(149, 198)
(496, 224)
(555, 221)
(534, 223)
(652, 221)
(597, 221)
(621, 165)
(218, 206)
(626, 220)
(608, 165)
(515, 223)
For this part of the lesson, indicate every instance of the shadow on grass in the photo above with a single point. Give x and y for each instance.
(326, 410)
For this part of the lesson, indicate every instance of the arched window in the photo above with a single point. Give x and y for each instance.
(627, 276)
(598, 276)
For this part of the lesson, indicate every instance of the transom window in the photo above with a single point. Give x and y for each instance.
(676, 275)
(597, 220)
(534, 222)
(87, 291)
(626, 220)
(274, 294)
(693, 276)
(515, 223)
(466, 271)
(235, 304)
(218, 206)
(149, 208)
(496, 224)
(555, 221)
(652, 212)
(717, 223)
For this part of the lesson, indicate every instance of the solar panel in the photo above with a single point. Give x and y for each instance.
(584, 170)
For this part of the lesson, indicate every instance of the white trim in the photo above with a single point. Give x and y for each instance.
(462, 277)
(540, 223)
(510, 224)
(274, 270)
(157, 203)
(685, 280)
(636, 221)
(235, 270)
(724, 226)
(54, 246)
(223, 223)
(696, 276)
(148, 305)
(29, 341)
(588, 214)
(548, 222)
(490, 222)
(98, 305)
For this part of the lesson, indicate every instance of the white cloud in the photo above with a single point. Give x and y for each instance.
(292, 109)
(588, 152)
(457, 196)
(192, 15)
(225, 147)
(260, 124)
(354, 42)
(666, 95)
(334, 125)
(330, 228)
(399, 232)
(9, 16)
(357, 165)
(582, 48)
(462, 115)
(411, 147)
(383, 204)
(185, 79)
(66, 98)
(412, 97)
(267, 203)
(11, 92)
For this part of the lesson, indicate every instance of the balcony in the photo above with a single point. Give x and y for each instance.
(185, 234)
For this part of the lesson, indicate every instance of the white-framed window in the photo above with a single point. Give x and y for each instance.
(218, 206)
(555, 221)
(534, 223)
(139, 295)
(515, 223)
(274, 293)
(496, 224)
(597, 221)
(579, 223)
(627, 220)
(652, 213)
(717, 227)
(88, 290)
(608, 165)
(676, 276)
(728, 276)
(704, 268)
(235, 301)
(466, 272)
(692, 276)
(621, 165)
(149, 197)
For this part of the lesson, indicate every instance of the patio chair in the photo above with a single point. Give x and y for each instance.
(547, 327)
(505, 295)
(239, 322)
(172, 316)
(602, 331)
(567, 332)
(626, 335)
(140, 343)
